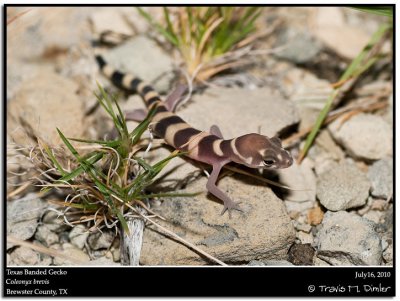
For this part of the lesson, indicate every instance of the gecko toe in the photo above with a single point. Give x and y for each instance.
(230, 206)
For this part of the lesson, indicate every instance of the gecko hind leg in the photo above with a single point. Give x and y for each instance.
(175, 97)
(136, 115)
(215, 130)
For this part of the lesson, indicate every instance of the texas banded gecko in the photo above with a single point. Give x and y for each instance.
(252, 150)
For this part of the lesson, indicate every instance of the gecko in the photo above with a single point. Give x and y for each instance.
(252, 150)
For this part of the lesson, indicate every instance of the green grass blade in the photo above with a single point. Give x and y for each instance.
(78, 171)
(356, 68)
(53, 159)
(170, 37)
(321, 117)
(112, 144)
(166, 195)
(123, 222)
(386, 11)
(170, 28)
(355, 64)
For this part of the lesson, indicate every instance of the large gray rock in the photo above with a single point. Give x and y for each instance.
(263, 231)
(342, 187)
(348, 239)
(23, 217)
(237, 111)
(381, 176)
(43, 104)
(138, 56)
(364, 136)
(240, 111)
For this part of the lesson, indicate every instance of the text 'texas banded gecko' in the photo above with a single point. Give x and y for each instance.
(252, 150)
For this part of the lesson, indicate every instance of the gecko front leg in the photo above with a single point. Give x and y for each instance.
(213, 189)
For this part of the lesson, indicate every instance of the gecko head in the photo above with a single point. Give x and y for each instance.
(255, 151)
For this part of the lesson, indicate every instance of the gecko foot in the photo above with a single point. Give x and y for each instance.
(229, 205)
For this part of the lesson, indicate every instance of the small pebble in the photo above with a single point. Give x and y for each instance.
(78, 236)
(101, 240)
(315, 215)
(305, 238)
(301, 254)
(46, 236)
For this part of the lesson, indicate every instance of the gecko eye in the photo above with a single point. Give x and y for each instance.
(269, 162)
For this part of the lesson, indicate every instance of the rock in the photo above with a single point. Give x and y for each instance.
(305, 238)
(302, 227)
(46, 236)
(78, 236)
(373, 216)
(328, 22)
(301, 179)
(50, 32)
(342, 187)
(297, 207)
(25, 256)
(364, 136)
(348, 239)
(23, 216)
(178, 173)
(262, 108)
(277, 263)
(380, 205)
(381, 176)
(54, 222)
(103, 261)
(116, 255)
(101, 240)
(137, 56)
(309, 97)
(301, 254)
(299, 46)
(388, 255)
(315, 215)
(262, 231)
(23, 72)
(115, 21)
(63, 109)
(327, 147)
(269, 263)
(319, 262)
(389, 112)
(73, 252)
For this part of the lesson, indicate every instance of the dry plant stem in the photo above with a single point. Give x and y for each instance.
(19, 189)
(375, 106)
(131, 244)
(42, 249)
